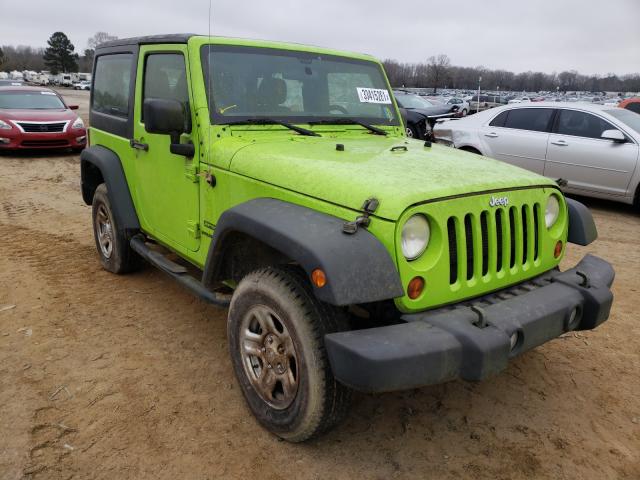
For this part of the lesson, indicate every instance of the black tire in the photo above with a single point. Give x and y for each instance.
(412, 132)
(118, 257)
(319, 401)
(471, 150)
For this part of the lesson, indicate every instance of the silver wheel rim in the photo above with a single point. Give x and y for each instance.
(269, 357)
(104, 230)
(409, 132)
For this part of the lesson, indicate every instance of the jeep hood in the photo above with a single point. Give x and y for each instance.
(398, 172)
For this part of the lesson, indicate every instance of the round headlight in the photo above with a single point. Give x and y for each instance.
(415, 237)
(552, 211)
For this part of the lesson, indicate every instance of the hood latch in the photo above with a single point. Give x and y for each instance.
(368, 207)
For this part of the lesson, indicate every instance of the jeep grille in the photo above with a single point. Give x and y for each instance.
(496, 240)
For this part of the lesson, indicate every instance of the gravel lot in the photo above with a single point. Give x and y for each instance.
(109, 377)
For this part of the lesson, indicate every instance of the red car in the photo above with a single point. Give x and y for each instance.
(34, 117)
(632, 104)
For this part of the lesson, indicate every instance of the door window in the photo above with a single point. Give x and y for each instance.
(165, 77)
(500, 120)
(581, 124)
(111, 84)
(533, 119)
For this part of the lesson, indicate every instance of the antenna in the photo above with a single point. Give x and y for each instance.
(209, 95)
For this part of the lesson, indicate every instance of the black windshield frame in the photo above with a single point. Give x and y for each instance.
(220, 119)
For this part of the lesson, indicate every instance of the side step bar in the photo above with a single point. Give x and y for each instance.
(177, 272)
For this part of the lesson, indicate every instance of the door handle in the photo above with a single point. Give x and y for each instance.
(138, 145)
(491, 135)
(560, 143)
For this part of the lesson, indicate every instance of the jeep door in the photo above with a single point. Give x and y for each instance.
(578, 154)
(166, 184)
(519, 136)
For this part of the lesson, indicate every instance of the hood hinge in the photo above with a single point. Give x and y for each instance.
(368, 207)
(193, 227)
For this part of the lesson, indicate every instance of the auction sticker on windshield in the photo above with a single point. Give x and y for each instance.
(374, 95)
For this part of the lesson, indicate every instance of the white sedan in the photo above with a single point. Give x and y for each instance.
(589, 149)
(82, 85)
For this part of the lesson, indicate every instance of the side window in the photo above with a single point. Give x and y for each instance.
(111, 84)
(581, 124)
(165, 77)
(532, 119)
(500, 120)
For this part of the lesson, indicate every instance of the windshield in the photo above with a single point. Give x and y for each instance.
(412, 101)
(292, 86)
(30, 101)
(629, 118)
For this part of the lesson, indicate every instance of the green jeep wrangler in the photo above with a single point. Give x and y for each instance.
(277, 180)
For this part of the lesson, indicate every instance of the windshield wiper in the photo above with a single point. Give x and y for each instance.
(271, 121)
(350, 121)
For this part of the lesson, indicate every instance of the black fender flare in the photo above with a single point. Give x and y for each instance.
(582, 228)
(359, 269)
(108, 164)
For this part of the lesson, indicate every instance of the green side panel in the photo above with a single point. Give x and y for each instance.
(166, 186)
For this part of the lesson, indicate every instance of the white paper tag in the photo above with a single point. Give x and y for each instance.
(374, 95)
(47, 93)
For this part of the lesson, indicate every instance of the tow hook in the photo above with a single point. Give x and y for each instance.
(368, 207)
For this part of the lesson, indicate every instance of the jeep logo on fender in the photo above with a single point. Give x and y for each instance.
(499, 201)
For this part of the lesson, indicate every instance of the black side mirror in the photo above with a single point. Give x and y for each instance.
(168, 117)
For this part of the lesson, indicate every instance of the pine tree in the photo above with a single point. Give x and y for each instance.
(59, 55)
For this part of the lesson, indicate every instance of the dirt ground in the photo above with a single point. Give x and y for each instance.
(108, 377)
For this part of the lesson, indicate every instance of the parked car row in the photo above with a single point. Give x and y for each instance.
(588, 149)
(420, 114)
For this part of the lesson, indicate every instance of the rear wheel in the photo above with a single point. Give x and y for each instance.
(113, 246)
(276, 330)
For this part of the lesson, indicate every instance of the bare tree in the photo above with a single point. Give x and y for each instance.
(22, 58)
(98, 38)
(438, 69)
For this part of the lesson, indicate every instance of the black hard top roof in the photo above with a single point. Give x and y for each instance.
(151, 39)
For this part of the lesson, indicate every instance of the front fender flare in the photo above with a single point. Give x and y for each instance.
(358, 267)
(582, 228)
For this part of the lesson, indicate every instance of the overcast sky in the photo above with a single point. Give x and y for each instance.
(538, 35)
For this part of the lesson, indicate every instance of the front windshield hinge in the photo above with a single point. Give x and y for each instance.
(368, 207)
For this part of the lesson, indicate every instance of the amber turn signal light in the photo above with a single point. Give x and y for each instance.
(415, 288)
(318, 278)
(558, 250)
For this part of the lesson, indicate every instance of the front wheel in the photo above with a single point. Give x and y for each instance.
(276, 330)
(116, 255)
(464, 112)
(412, 132)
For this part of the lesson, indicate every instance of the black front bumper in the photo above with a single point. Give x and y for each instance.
(473, 340)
